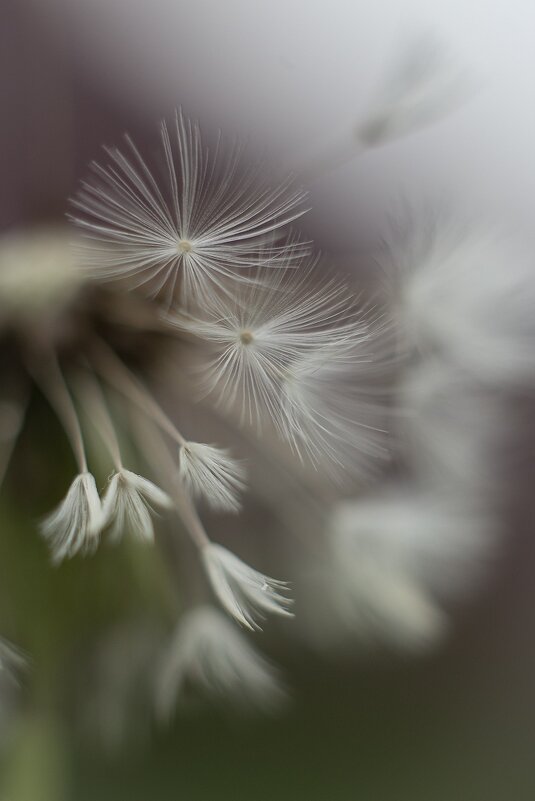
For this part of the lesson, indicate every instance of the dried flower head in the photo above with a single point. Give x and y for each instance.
(194, 265)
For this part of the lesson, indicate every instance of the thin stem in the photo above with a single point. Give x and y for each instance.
(49, 378)
(157, 453)
(301, 495)
(181, 562)
(119, 376)
(91, 395)
(12, 414)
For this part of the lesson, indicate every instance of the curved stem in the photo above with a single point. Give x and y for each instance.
(12, 417)
(117, 374)
(49, 378)
(91, 395)
(157, 453)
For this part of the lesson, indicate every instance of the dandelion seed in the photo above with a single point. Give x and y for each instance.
(245, 593)
(210, 473)
(296, 357)
(127, 504)
(210, 655)
(74, 526)
(210, 223)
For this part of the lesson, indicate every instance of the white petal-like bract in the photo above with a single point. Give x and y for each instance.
(74, 526)
(245, 593)
(209, 656)
(127, 504)
(210, 473)
(208, 223)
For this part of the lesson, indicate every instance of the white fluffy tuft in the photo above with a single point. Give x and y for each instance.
(297, 356)
(74, 526)
(210, 473)
(209, 223)
(127, 504)
(245, 593)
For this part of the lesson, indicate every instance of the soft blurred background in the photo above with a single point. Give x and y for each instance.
(293, 78)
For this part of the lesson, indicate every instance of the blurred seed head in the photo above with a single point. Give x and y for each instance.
(209, 657)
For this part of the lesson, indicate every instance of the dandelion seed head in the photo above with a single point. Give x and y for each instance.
(209, 251)
(294, 353)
